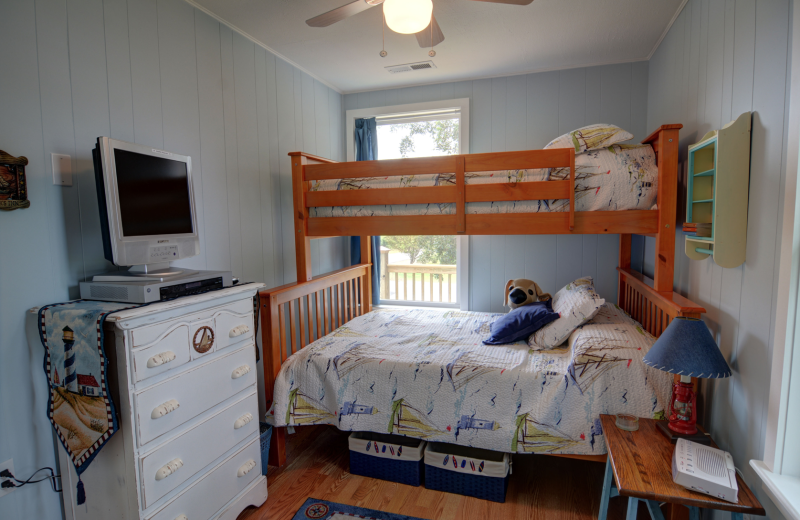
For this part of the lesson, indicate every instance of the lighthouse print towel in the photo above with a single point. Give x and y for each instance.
(425, 373)
(80, 406)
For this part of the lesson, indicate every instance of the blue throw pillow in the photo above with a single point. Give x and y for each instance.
(521, 323)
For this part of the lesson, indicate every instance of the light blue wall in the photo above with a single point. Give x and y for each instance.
(722, 58)
(522, 113)
(159, 73)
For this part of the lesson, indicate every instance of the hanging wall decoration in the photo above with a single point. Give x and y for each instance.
(13, 186)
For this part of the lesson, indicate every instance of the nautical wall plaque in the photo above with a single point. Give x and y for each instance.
(13, 186)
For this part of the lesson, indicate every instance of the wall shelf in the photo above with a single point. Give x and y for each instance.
(717, 189)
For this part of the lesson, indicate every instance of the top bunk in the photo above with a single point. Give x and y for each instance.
(535, 192)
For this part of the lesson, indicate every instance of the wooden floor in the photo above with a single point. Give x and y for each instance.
(541, 487)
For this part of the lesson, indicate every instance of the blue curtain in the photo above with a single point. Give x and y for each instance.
(366, 140)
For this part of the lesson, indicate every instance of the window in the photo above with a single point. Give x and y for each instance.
(421, 270)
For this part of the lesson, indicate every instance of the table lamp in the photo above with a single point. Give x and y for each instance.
(687, 349)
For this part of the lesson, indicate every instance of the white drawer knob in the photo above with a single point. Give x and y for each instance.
(239, 330)
(246, 468)
(170, 468)
(181, 517)
(160, 359)
(239, 372)
(241, 421)
(164, 409)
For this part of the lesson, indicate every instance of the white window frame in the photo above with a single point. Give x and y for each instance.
(429, 107)
(419, 112)
(780, 469)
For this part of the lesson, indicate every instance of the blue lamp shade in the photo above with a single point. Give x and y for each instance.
(687, 348)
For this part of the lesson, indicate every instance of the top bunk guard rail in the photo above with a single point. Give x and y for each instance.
(306, 168)
(458, 192)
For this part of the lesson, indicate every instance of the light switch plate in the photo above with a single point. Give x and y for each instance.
(62, 169)
(9, 465)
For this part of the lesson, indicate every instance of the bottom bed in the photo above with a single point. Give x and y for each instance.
(425, 373)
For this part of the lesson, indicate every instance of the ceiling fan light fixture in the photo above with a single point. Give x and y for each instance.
(407, 16)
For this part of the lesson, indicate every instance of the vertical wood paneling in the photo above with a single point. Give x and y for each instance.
(248, 156)
(118, 62)
(58, 136)
(499, 96)
(275, 167)
(516, 113)
(594, 95)
(212, 141)
(286, 143)
(734, 59)
(162, 74)
(571, 100)
(542, 109)
(264, 176)
(29, 279)
(231, 150)
(179, 95)
(145, 72)
(88, 75)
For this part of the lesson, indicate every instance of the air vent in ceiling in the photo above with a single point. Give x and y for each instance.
(409, 67)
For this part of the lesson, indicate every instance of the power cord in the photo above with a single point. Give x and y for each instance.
(19, 483)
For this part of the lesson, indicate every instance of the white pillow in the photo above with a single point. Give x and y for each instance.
(592, 137)
(576, 304)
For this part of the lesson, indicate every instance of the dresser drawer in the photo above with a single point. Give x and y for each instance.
(163, 407)
(169, 351)
(174, 463)
(144, 336)
(211, 492)
(233, 326)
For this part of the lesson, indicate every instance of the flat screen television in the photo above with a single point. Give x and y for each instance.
(147, 210)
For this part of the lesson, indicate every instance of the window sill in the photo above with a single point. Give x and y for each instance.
(783, 490)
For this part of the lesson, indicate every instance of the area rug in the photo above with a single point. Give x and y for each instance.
(323, 510)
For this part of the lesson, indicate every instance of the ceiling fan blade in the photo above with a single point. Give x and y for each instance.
(513, 2)
(339, 14)
(424, 36)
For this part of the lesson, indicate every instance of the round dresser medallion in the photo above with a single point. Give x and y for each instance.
(203, 339)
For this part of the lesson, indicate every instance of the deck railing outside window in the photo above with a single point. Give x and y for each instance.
(429, 283)
(420, 282)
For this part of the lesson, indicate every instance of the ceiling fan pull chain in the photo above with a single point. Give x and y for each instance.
(383, 35)
(431, 52)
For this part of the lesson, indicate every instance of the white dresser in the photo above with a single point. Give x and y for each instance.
(183, 377)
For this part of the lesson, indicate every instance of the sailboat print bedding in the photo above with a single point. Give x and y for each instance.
(619, 177)
(425, 373)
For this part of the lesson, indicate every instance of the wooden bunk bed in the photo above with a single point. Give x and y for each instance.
(296, 314)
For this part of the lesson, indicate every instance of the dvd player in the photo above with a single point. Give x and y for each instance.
(148, 290)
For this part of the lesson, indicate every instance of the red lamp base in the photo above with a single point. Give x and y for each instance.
(698, 436)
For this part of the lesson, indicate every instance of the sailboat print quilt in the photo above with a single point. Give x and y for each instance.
(425, 373)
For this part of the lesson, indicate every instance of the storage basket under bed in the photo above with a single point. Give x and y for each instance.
(467, 471)
(387, 457)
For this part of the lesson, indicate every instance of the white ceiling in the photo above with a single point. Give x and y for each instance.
(481, 39)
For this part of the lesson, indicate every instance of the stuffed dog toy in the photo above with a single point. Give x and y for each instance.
(521, 292)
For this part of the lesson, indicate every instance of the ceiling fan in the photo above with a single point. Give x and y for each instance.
(402, 16)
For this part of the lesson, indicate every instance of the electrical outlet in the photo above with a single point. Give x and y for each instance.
(9, 465)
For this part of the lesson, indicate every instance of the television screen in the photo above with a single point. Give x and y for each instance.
(153, 195)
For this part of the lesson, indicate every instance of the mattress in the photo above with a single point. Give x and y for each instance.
(617, 178)
(425, 373)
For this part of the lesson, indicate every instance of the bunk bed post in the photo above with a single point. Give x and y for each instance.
(366, 280)
(271, 353)
(624, 263)
(302, 243)
(666, 145)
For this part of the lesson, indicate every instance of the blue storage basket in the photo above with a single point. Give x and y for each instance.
(387, 457)
(467, 471)
(266, 436)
